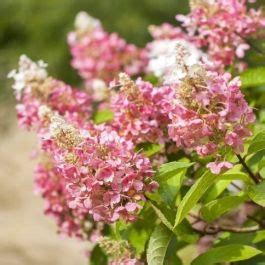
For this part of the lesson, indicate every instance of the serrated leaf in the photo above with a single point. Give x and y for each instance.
(158, 245)
(162, 216)
(229, 253)
(169, 170)
(253, 77)
(102, 116)
(193, 195)
(149, 149)
(257, 193)
(258, 143)
(214, 209)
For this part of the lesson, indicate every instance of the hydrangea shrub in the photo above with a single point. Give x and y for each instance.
(159, 152)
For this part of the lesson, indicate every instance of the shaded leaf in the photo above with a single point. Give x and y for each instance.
(138, 233)
(258, 143)
(171, 255)
(169, 189)
(98, 256)
(257, 193)
(185, 232)
(214, 209)
(162, 216)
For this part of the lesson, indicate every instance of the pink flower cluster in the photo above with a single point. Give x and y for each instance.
(222, 26)
(52, 187)
(140, 110)
(100, 55)
(209, 113)
(100, 171)
(167, 31)
(104, 175)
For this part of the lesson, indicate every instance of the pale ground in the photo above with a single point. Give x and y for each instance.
(27, 237)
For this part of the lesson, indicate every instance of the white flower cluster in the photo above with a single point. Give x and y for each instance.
(84, 22)
(28, 72)
(164, 59)
(100, 90)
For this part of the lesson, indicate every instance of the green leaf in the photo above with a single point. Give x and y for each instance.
(228, 253)
(171, 254)
(98, 256)
(214, 209)
(236, 176)
(241, 238)
(257, 193)
(158, 245)
(253, 77)
(258, 143)
(169, 189)
(151, 78)
(102, 116)
(169, 170)
(255, 161)
(139, 232)
(193, 195)
(216, 190)
(138, 238)
(149, 149)
(185, 232)
(162, 216)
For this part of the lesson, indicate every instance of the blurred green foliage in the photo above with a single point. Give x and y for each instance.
(39, 29)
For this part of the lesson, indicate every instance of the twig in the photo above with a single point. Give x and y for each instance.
(251, 174)
(259, 222)
(255, 48)
(236, 186)
(215, 229)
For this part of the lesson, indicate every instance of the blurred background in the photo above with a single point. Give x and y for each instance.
(38, 29)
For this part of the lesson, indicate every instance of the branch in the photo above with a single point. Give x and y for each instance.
(255, 48)
(215, 229)
(251, 174)
(259, 222)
